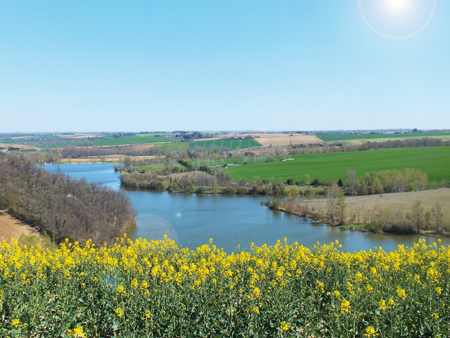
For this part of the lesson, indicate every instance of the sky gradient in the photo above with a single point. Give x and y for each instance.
(80, 65)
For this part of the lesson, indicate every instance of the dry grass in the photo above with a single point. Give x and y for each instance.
(20, 146)
(284, 139)
(82, 135)
(12, 227)
(393, 202)
(361, 141)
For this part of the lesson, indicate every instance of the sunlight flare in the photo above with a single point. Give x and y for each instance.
(397, 19)
(397, 6)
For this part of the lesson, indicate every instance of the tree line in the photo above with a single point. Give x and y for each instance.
(334, 147)
(61, 206)
(387, 181)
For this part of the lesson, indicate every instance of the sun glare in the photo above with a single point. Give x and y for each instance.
(397, 19)
(397, 6)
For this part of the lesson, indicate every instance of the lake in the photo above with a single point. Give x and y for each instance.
(232, 222)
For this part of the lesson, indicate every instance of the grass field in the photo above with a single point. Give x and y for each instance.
(113, 142)
(345, 137)
(131, 140)
(175, 146)
(226, 144)
(333, 166)
(152, 167)
(396, 201)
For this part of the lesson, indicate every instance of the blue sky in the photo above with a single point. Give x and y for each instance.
(78, 65)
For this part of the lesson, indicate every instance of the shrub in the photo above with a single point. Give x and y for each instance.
(401, 227)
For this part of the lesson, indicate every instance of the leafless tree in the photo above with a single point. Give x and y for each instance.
(437, 216)
(351, 180)
(332, 200)
(417, 214)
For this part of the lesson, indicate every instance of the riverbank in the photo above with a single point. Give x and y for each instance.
(391, 213)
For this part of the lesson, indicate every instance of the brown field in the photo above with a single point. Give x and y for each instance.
(393, 202)
(12, 227)
(276, 139)
(81, 135)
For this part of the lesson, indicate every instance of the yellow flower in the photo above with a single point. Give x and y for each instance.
(78, 331)
(434, 316)
(256, 292)
(15, 322)
(119, 312)
(147, 315)
(255, 310)
(284, 326)
(336, 293)
(438, 290)
(345, 306)
(382, 305)
(401, 293)
(370, 332)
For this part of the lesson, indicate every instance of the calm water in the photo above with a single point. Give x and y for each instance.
(232, 221)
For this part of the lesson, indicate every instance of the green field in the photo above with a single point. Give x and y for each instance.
(434, 161)
(131, 140)
(225, 144)
(113, 142)
(345, 137)
(173, 146)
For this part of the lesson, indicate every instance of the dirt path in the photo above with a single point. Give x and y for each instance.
(12, 227)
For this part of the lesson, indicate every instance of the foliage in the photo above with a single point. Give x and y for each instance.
(389, 181)
(61, 206)
(158, 289)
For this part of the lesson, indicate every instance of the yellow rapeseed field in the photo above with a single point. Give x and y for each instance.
(158, 289)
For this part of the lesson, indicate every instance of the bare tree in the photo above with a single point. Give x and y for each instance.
(332, 200)
(417, 214)
(292, 193)
(351, 180)
(341, 206)
(437, 216)
(423, 181)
